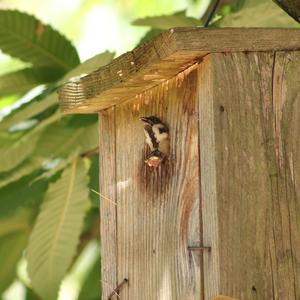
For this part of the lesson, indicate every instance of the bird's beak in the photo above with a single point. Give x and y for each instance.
(145, 121)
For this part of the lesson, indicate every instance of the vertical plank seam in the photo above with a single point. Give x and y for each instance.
(211, 264)
(271, 266)
(290, 228)
(202, 291)
(286, 190)
(99, 211)
(272, 92)
(116, 193)
(289, 216)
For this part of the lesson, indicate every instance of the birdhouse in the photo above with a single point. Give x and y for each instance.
(220, 214)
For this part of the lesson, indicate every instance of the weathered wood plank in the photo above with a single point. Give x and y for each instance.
(249, 108)
(284, 238)
(158, 209)
(162, 58)
(208, 177)
(108, 216)
(224, 298)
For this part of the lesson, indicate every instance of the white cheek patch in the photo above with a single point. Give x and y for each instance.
(148, 139)
(159, 136)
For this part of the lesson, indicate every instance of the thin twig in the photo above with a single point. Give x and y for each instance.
(90, 153)
(212, 13)
(102, 196)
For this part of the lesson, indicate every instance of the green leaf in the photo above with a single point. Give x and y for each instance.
(25, 37)
(29, 110)
(11, 249)
(31, 295)
(91, 289)
(8, 100)
(253, 14)
(21, 81)
(14, 152)
(89, 65)
(21, 193)
(14, 234)
(178, 19)
(24, 169)
(60, 141)
(57, 168)
(53, 242)
(20, 220)
(34, 108)
(94, 180)
(231, 7)
(80, 120)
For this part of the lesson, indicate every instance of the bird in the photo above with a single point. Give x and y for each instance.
(157, 138)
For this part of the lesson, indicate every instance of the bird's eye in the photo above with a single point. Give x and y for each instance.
(162, 129)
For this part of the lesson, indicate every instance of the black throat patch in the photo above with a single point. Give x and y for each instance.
(152, 137)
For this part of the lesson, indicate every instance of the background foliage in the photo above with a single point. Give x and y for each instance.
(48, 163)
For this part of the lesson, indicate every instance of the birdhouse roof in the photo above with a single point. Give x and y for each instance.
(163, 57)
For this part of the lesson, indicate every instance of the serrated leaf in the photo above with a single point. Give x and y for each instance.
(15, 152)
(178, 19)
(89, 65)
(14, 234)
(60, 141)
(25, 37)
(91, 288)
(253, 14)
(21, 193)
(55, 236)
(20, 220)
(23, 169)
(11, 249)
(12, 154)
(35, 107)
(57, 168)
(22, 81)
(29, 111)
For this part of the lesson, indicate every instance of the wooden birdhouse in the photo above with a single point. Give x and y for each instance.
(221, 214)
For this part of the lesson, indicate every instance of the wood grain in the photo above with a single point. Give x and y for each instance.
(231, 183)
(249, 108)
(284, 238)
(208, 178)
(108, 211)
(223, 298)
(158, 210)
(162, 58)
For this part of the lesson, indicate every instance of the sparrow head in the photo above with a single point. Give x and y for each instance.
(158, 127)
(150, 121)
(156, 133)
